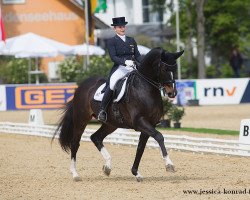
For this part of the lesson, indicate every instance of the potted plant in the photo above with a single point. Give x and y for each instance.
(176, 115)
(167, 105)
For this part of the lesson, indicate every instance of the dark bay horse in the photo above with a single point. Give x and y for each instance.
(142, 113)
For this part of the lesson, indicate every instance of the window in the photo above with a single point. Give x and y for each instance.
(13, 1)
(148, 14)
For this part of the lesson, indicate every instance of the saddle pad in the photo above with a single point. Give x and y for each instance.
(99, 95)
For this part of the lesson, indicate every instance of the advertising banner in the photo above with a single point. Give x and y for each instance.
(2, 98)
(22, 97)
(221, 91)
(54, 96)
(186, 91)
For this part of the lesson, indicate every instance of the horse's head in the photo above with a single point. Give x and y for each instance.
(160, 67)
(167, 69)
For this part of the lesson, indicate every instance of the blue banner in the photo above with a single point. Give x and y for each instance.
(186, 91)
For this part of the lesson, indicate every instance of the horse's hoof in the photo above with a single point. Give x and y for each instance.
(139, 178)
(170, 168)
(77, 178)
(106, 169)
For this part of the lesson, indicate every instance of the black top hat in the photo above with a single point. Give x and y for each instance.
(119, 21)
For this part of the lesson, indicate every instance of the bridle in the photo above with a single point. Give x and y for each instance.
(165, 65)
(159, 84)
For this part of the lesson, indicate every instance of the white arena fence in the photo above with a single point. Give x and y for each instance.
(129, 137)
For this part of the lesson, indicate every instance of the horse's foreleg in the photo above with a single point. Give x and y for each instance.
(140, 149)
(160, 139)
(146, 127)
(97, 138)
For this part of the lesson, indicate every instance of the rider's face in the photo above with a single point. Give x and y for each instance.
(120, 30)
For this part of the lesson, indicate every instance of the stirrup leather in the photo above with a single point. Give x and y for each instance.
(102, 116)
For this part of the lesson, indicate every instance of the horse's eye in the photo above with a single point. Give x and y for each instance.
(164, 69)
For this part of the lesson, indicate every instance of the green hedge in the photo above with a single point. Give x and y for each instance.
(15, 71)
(72, 68)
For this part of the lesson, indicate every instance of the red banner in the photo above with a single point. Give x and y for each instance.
(2, 33)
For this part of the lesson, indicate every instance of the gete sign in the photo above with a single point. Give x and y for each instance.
(38, 96)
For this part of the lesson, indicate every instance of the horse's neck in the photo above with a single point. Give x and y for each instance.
(148, 72)
(140, 81)
(149, 63)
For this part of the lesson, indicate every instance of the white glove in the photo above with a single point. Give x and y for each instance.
(129, 63)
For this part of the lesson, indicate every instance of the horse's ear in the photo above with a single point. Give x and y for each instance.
(178, 54)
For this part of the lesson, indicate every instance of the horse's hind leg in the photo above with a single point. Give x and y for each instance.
(97, 138)
(74, 148)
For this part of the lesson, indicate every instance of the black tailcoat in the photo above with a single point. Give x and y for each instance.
(121, 51)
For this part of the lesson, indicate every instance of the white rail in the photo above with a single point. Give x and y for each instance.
(129, 137)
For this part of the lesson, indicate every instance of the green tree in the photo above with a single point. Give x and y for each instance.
(227, 26)
(200, 23)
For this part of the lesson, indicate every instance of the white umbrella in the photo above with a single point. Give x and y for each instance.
(143, 50)
(93, 50)
(30, 45)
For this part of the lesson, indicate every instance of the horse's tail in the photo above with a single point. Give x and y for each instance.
(65, 127)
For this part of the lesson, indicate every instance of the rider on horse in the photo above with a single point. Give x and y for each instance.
(123, 52)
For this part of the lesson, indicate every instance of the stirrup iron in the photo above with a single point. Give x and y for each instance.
(102, 116)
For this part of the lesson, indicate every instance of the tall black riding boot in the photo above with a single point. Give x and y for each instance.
(107, 97)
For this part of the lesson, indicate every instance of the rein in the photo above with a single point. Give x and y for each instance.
(151, 82)
(157, 85)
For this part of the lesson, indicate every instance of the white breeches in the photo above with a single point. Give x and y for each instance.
(121, 72)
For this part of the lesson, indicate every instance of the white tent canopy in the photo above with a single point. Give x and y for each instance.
(96, 50)
(32, 45)
(92, 50)
(143, 50)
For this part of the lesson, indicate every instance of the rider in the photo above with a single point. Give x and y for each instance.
(123, 51)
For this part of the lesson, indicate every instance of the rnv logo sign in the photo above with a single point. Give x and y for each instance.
(219, 91)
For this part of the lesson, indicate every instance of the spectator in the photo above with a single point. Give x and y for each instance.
(236, 62)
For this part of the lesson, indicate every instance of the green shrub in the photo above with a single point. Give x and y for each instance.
(71, 69)
(167, 105)
(211, 71)
(15, 71)
(226, 71)
(176, 114)
(98, 66)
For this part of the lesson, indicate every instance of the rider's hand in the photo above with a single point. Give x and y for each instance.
(129, 63)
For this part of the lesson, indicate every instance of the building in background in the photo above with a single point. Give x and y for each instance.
(62, 20)
(142, 20)
(136, 12)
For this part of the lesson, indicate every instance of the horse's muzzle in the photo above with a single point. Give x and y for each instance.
(171, 91)
(172, 95)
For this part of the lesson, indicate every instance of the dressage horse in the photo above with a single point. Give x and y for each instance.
(142, 112)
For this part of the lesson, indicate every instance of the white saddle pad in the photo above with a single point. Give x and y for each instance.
(99, 95)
